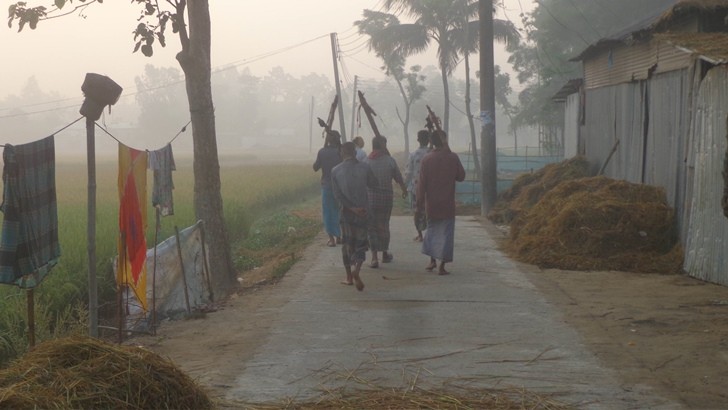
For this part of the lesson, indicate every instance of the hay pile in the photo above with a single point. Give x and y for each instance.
(86, 373)
(417, 398)
(599, 223)
(528, 189)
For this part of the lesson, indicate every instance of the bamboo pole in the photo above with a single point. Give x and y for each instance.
(182, 269)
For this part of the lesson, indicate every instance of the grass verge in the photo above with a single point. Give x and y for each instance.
(275, 243)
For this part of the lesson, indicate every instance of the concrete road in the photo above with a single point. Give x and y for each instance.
(485, 325)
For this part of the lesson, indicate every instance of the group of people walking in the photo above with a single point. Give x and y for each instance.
(357, 198)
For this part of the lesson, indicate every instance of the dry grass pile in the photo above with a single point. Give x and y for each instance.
(528, 189)
(86, 373)
(599, 223)
(394, 399)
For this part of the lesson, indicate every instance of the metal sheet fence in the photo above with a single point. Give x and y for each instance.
(706, 248)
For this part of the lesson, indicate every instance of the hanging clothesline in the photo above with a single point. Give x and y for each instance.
(183, 129)
(75, 121)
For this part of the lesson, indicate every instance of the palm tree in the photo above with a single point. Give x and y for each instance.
(466, 38)
(374, 24)
(438, 21)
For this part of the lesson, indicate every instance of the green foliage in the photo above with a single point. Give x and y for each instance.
(452, 25)
(274, 230)
(50, 323)
(556, 31)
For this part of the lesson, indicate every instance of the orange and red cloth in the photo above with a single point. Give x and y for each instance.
(132, 243)
(132, 185)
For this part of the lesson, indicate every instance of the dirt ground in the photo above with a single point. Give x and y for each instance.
(667, 331)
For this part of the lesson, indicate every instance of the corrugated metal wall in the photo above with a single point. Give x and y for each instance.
(598, 131)
(624, 64)
(628, 161)
(667, 137)
(613, 113)
(706, 248)
(571, 126)
(658, 158)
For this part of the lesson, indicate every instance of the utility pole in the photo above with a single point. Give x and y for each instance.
(487, 108)
(342, 126)
(353, 108)
(310, 126)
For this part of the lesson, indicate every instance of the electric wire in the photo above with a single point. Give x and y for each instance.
(589, 23)
(548, 11)
(166, 85)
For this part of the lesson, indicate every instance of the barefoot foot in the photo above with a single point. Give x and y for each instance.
(359, 283)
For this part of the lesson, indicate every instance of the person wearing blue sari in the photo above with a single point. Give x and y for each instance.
(327, 158)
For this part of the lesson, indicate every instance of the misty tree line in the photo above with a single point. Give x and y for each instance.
(275, 106)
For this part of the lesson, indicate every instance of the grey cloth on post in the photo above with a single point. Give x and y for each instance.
(161, 162)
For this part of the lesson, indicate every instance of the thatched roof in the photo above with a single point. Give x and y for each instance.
(659, 21)
(711, 47)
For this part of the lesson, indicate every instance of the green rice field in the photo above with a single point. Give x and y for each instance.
(249, 191)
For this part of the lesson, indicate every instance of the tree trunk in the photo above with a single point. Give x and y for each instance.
(473, 140)
(446, 110)
(195, 62)
(405, 122)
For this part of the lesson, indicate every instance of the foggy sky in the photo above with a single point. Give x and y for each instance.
(254, 34)
(60, 51)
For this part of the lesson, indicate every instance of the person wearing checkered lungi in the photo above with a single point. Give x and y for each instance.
(381, 198)
(349, 181)
(411, 176)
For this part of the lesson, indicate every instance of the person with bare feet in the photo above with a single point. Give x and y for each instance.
(381, 199)
(349, 181)
(439, 172)
(327, 158)
(411, 176)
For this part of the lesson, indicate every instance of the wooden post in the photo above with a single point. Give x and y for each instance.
(31, 318)
(93, 313)
(206, 266)
(154, 271)
(120, 291)
(182, 269)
